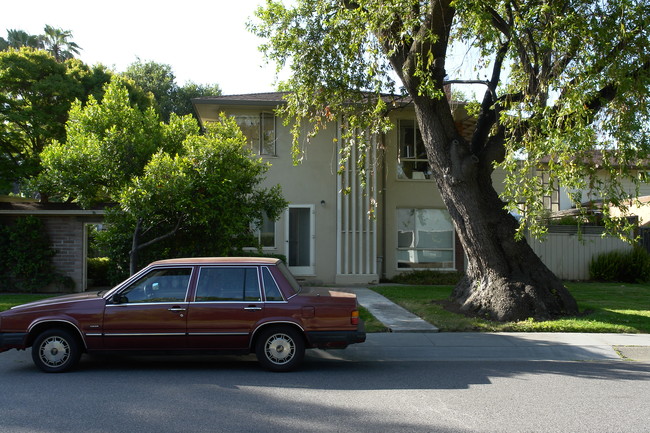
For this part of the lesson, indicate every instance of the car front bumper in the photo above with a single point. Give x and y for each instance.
(12, 340)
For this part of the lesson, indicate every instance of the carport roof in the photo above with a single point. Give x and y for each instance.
(37, 208)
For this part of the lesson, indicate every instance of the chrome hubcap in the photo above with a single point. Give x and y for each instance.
(54, 351)
(280, 348)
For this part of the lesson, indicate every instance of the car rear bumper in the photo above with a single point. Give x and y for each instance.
(12, 340)
(337, 339)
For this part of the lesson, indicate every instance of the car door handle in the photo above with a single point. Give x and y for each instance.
(176, 309)
(252, 308)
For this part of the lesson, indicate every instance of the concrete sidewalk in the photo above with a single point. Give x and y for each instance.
(412, 338)
(479, 346)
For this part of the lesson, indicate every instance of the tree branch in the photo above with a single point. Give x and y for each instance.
(489, 107)
(159, 238)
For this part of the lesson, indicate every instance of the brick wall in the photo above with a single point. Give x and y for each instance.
(67, 238)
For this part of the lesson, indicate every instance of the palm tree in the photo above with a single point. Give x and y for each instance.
(20, 38)
(56, 42)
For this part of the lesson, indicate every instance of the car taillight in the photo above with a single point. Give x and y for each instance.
(354, 318)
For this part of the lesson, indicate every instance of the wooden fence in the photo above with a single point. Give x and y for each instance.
(568, 253)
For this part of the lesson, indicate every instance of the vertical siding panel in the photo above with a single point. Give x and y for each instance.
(569, 257)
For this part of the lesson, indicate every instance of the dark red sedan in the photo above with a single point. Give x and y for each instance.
(203, 305)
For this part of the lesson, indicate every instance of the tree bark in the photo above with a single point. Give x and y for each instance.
(505, 279)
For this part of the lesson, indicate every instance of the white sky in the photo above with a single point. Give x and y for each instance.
(203, 41)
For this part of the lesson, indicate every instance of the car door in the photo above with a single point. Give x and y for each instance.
(150, 313)
(227, 306)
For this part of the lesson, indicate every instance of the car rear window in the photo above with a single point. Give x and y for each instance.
(271, 289)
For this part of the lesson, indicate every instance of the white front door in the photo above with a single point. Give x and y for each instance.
(300, 232)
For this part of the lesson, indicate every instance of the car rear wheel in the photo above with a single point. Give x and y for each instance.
(56, 351)
(280, 348)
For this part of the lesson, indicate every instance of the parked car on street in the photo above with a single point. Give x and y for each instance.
(203, 305)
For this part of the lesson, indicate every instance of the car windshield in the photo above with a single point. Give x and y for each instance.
(289, 277)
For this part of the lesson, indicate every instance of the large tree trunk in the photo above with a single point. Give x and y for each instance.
(505, 279)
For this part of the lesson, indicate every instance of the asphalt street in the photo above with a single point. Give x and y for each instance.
(401, 381)
(389, 384)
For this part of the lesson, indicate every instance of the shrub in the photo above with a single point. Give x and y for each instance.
(429, 278)
(98, 271)
(26, 263)
(631, 266)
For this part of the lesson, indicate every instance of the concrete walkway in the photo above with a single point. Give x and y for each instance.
(412, 338)
(394, 317)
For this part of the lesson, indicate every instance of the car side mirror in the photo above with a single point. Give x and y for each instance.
(119, 298)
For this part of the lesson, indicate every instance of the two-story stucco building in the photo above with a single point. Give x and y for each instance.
(326, 235)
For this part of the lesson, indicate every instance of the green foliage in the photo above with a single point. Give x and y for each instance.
(566, 88)
(208, 196)
(182, 97)
(428, 278)
(98, 270)
(36, 93)
(159, 80)
(176, 192)
(26, 257)
(337, 70)
(108, 143)
(55, 41)
(632, 266)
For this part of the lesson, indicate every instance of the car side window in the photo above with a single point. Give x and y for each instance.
(271, 289)
(228, 284)
(159, 285)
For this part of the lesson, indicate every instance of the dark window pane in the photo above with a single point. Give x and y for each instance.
(271, 289)
(228, 284)
(159, 285)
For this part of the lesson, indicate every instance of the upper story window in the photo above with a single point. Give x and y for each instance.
(551, 197)
(412, 160)
(260, 131)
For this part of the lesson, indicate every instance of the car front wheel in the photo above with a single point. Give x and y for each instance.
(56, 351)
(280, 348)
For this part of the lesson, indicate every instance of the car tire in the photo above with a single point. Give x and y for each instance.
(56, 351)
(280, 348)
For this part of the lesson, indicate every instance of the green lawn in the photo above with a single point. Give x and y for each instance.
(605, 307)
(9, 300)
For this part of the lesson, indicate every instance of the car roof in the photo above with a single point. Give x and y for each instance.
(218, 261)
